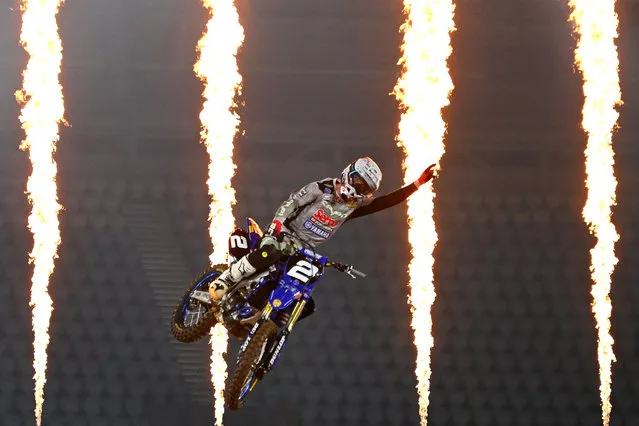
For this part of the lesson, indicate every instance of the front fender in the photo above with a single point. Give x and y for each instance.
(283, 296)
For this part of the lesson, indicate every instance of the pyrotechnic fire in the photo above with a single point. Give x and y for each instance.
(42, 110)
(217, 68)
(596, 55)
(423, 90)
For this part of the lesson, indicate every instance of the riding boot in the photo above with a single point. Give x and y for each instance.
(230, 278)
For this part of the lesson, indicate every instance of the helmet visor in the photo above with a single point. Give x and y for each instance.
(360, 185)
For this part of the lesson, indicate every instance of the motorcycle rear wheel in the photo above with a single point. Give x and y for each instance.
(188, 333)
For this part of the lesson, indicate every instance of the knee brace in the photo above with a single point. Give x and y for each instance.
(265, 256)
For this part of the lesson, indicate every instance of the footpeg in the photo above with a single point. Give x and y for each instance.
(202, 296)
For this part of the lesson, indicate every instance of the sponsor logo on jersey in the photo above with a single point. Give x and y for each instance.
(337, 211)
(316, 229)
(324, 218)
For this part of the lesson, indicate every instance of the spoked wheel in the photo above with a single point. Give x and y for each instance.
(244, 379)
(192, 319)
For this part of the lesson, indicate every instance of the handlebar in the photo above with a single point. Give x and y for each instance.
(347, 269)
(343, 267)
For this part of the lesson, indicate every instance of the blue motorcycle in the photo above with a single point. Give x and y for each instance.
(261, 310)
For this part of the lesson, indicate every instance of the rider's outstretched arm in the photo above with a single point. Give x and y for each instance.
(385, 201)
(393, 198)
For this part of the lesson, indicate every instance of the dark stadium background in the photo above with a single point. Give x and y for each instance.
(515, 339)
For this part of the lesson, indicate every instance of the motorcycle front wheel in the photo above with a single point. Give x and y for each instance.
(244, 378)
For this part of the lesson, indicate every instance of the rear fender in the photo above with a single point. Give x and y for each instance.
(254, 232)
(238, 245)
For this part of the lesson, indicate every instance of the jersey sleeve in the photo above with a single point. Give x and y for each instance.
(296, 200)
(385, 201)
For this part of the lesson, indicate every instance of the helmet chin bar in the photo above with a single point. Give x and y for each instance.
(347, 192)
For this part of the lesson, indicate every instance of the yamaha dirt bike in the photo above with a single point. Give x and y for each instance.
(261, 310)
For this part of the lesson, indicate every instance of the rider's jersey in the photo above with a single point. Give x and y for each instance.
(316, 211)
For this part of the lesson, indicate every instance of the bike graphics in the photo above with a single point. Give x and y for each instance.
(262, 310)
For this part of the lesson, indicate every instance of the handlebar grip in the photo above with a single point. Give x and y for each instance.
(358, 273)
(348, 269)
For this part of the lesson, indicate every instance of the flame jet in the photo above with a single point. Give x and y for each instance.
(42, 111)
(596, 56)
(422, 91)
(218, 69)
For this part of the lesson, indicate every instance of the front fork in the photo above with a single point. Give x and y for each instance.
(276, 347)
(297, 311)
(266, 315)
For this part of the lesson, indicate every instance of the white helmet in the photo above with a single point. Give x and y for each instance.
(360, 179)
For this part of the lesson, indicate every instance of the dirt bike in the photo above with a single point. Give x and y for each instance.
(261, 310)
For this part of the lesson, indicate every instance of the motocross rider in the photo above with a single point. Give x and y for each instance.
(314, 213)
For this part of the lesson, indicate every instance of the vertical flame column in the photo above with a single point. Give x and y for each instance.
(42, 111)
(423, 90)
(218, 70)
(596, 56)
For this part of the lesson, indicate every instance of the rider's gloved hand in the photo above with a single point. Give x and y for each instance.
(273, 236)
(282, 243)
(286, 246)
(267, 240)
(427, 175)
